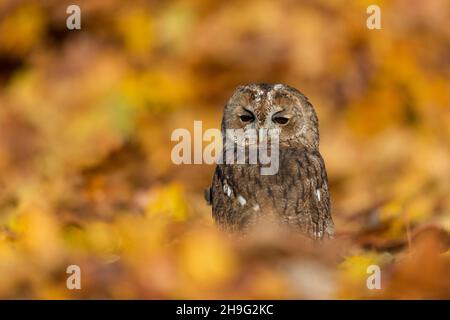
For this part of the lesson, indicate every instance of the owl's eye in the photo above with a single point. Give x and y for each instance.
(280, 120)
(247, 118)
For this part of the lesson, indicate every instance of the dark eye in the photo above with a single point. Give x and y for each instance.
(247, 118)
(280, 120)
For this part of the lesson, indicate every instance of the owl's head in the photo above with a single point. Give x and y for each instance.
(273, 106)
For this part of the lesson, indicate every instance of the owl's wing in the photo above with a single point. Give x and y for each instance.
(231, 199)
(298, 194)
(220, 195)
(208, 196)
(319, 197)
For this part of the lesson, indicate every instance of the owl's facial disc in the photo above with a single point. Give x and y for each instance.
(287, 117)
(246, 116)
(281, 118)
(257, 107)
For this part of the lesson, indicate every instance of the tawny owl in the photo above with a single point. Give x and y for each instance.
(297, 195)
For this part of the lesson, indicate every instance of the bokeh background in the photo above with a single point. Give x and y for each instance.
(85, 124)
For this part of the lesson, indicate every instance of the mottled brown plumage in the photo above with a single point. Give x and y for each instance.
(297, 195)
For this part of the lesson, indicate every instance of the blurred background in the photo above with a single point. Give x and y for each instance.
(85, 122)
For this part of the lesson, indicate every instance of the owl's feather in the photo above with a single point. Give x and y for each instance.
(297, 195)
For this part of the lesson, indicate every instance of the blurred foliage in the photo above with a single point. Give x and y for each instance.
(85, 124)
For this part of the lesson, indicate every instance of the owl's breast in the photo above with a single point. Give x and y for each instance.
(242, 195)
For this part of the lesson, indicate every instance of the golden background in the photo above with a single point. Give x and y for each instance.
(85, 123)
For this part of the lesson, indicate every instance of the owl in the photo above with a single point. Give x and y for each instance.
(297, 195)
